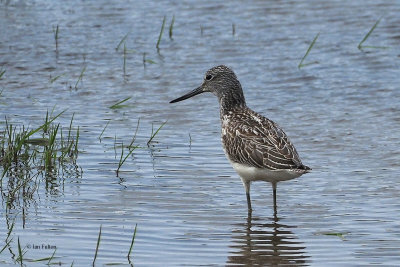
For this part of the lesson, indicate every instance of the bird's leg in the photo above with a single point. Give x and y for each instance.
(248, 202)
(274, 194)
(247, 188)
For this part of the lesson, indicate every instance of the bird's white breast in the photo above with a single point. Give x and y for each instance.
(249, 174)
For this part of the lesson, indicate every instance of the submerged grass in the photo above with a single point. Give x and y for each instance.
(306, 54)
(361, 46)
(161, 33)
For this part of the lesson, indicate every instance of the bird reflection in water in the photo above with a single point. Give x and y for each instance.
(265, 242)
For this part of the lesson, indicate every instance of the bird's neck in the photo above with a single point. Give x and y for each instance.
(231, 101)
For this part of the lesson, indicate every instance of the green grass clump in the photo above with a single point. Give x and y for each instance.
(307, 52)
(29, 156)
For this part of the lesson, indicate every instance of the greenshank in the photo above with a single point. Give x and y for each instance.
(257, 148)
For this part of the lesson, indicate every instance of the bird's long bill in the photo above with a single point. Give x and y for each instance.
(196, 91)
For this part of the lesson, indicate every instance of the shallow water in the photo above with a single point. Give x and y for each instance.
(342, 114)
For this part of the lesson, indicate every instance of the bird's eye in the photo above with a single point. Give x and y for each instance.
(209, 77)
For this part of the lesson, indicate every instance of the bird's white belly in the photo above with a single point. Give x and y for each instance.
(249, 174)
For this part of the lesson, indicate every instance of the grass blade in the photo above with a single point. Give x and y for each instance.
(171, 27)
(122, 159)
(145, 60)
(306, 54)
(124, 64)
(48, 259)
(46, 124)
(122, 41)
(118, 104)
(131, 148)
(161, 33)
(80, 77)
(97, 246)
(134, 136)
(2, 73)
(6, 245)
(55, 31)
(132, 242)
(20, 253)
(52, 80)
(104, 129)
(52, 256)
(360, 46)
(153, 134)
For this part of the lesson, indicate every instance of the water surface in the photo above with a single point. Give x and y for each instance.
(189, 205)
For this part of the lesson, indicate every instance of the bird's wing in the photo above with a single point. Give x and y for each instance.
(256, 141)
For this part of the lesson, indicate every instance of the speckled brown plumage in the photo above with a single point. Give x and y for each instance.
(251, 139)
